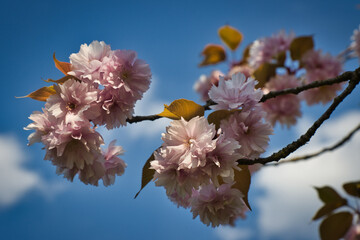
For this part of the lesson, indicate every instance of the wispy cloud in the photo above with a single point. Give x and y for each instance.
(289, 202)
(15, 179)
(231, 233)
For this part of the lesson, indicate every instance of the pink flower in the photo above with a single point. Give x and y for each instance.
(217, 206)
(204, 83)
(44, 123)
(265, 49)
(244, 69)
(355, 44)
(223, 160)
(73, 98)
(113, 164)
(180, 201)
(320, 67)
(90, 174)
(116, 106)
(177, 182)
(121, 70)
(284, 109)
(86, 64)
(238, 92)
(190, 141)
(73, 144)
(248, 128)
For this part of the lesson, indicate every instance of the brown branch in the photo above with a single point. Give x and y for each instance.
(324, 150)
(341, 78)
(136, 119)
(283, 153)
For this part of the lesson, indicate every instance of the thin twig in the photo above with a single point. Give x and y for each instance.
(283, 153)
(324, 150)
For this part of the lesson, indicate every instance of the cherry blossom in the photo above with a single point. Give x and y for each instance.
(284, 109)
(238, 92)
(217, 206)
(265, 49)
(250, 130)
(204, 84)
(86, 64)
(73, 98)
(320, 67)
(113, 164)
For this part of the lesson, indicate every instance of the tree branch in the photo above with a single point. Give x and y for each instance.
(324, 150)
(341, 78)
(283, 153)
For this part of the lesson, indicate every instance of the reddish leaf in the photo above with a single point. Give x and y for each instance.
(147, 174)
(327, 209)
(329, 195)
(217, 116)
(335, 226)
(300, 45)
(213, 54)
(230, 36)
(182, 108)
(64, 67)
(242, 182)
(352, 188)
(62, 80)
(41, 94)
(264, 73)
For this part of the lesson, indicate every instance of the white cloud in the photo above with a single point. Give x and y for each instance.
(231, 233)
(289, 202)
(15, 179)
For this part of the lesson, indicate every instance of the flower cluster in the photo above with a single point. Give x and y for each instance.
(265, 49)
(267, 60)
(197, 163)
(102, 88)
(283, 109)
(320, 67)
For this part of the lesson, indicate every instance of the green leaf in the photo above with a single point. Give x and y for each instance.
(264, 73)
(217, 116)
(242, 182)
(329, 195)
(182, 108)
(335, 226)
(147, 174)
(300, 45)
(230, 36)
(64, 67)
(213, 54)
(352, 188)
(41, 94)
(327, 209)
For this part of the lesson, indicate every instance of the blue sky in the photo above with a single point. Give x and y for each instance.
(35, 203)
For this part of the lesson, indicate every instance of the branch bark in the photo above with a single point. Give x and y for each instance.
(283, 153)
(324, 150)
